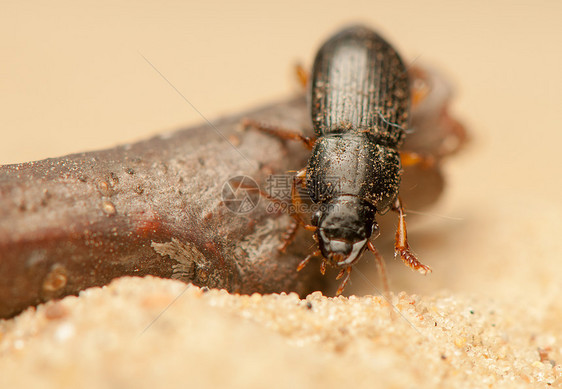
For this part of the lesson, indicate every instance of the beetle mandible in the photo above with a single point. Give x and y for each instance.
(359, 104)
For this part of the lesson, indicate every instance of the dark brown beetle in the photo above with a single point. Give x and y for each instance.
(360, 111)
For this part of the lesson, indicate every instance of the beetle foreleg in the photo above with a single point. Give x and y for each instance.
(323, 267)
(305, 261)
(289, 235)
(401, 246)
(382, 268)
(340, 274)
(296, 200)
(345, 279)
(295, 212)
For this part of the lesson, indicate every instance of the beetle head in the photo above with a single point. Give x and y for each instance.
(344, 226)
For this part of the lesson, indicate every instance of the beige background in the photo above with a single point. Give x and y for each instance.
(73, 79)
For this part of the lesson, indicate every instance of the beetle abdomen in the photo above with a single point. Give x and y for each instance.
(360, 82)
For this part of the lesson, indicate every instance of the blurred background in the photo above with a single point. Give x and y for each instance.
(73, 78)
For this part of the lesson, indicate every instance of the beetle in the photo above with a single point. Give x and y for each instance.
(359, 95)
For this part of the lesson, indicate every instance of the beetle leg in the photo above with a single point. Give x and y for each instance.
(456, 137)
(420, 87)
(382, 268)
(401, 246)
(323, 267)
(345, 279)
(291, 231)
(299, 179)
(340, 274)
(296, 202)
(305, 261)
(289, 235)
(279, 132)
(410, 158)
(427, 85)
(302, 75)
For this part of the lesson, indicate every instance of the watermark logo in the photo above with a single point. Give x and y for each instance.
(240, 194)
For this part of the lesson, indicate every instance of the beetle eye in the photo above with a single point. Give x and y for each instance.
(315, 218)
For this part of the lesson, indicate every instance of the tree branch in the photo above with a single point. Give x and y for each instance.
(154, 207)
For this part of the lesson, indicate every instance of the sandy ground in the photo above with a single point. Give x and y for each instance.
(489, 315)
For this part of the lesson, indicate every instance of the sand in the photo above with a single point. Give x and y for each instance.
(151, 332)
